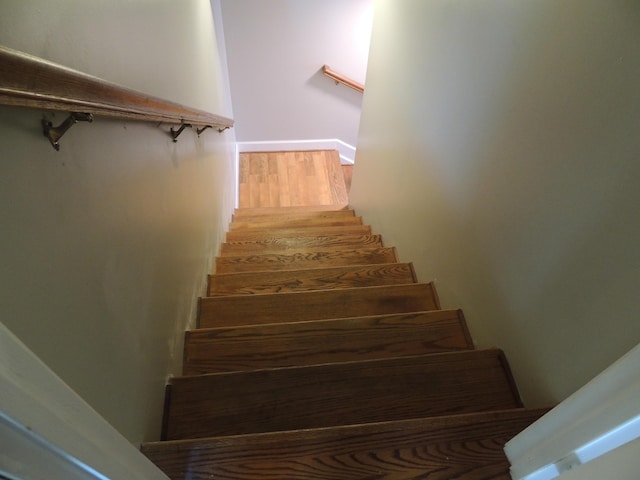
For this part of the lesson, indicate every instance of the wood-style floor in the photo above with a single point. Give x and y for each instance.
(290, 179)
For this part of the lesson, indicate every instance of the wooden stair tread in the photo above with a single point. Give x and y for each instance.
(313, 259)
(266, 234)
(312, 215)
(315, 305)
(250, 212)
(336, 394)
(270, 223)
(300, 244)
(468, 446)
(230, 349)
(324, 278)
(318, 356)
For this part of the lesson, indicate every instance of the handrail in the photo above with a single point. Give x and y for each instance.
(32, 82)
(339, 78)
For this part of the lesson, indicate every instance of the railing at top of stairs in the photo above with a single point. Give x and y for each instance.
(32, 82)
(339, 78)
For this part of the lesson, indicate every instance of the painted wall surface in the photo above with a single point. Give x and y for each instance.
(505, 164)
(276, 50)
(106, 244)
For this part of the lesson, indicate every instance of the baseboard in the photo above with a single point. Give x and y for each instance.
(347, 152)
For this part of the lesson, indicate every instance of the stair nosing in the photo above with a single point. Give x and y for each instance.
(435, 419)
(407, 358)
(270, 233)
(324, 267)
(277, 225)
(313, 251)
(354, 235)
(329, 244)
(302, 322)
(325, 290)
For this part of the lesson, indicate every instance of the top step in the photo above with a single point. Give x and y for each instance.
(263, 217)
(242, 212)
(260, 234)
(280, 222)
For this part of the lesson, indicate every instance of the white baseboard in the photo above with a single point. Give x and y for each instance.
(347, 152)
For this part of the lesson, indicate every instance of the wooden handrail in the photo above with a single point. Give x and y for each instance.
(29, 81)
(339, 78)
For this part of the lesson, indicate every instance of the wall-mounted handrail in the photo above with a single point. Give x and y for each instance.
(339, 78)
(30, 81)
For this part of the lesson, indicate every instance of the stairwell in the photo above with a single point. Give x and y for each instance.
(318, 355)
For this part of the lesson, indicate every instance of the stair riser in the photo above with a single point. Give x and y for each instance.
(300, 245)
(461, 446)
(278, 262)
(339, 394)
(317, 305)
(344, 340)
(313, 279)
(241, 235)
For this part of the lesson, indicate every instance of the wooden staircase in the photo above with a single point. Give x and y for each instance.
(318, 355)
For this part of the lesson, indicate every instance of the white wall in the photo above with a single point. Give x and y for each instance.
(106, 244)
(276, 50)
(499, 151)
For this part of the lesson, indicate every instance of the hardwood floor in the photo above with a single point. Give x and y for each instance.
(347, 172)
(287, 179)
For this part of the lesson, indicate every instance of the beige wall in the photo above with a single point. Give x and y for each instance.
(107, 243)
(499, 150)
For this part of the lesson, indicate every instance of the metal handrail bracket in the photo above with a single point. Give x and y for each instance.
(32, 82)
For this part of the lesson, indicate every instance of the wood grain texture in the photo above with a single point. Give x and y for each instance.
(244, 175)
(285, 179)
(251, 283)
(468, 447)
(292, 261)
(336, 178)
(29, 81)
(300, 244)
(284, 211)
(339, 394)
(316, 305)
(343, 340)
(269, 224)
(255, 234)
(293, 215)
(347, 173)
(308, 374)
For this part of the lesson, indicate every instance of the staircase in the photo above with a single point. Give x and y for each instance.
(318, 355)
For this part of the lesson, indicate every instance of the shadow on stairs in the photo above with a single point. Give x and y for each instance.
(318, 355)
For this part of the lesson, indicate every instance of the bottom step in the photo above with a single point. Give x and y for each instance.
(352, 393)
(439, 448)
